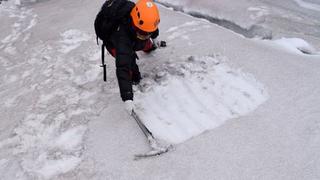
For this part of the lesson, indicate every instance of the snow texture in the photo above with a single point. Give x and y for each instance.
(257, 103)
(48, 132)
(308, 5)
(72, 39)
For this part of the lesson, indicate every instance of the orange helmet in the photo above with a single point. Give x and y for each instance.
(145, 15)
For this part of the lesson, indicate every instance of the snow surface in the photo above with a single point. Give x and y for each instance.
(255, 18)
(296, 45)
(257, 102)
(308, 5)
(40, 95)
(72, 39)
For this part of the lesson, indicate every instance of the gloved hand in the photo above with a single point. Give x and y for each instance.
(158, 44)
(162, 44)
(129, 106)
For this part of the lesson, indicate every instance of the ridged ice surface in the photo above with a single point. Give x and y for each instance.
(184, 100)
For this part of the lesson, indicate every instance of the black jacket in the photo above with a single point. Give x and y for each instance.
(125, 43)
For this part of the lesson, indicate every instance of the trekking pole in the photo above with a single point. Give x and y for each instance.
(103, 65)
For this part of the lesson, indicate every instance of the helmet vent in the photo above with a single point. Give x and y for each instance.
(141, 22)
(138, 15)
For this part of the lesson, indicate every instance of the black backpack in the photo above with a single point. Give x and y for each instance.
(107, 20)
(109, 17)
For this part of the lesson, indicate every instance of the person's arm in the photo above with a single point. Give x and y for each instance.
(125, 55)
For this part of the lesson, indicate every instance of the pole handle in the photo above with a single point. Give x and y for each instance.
(103, 63)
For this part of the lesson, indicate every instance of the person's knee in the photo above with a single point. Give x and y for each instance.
(123, 60)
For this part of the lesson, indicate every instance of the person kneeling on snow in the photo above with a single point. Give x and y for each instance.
(138, 31)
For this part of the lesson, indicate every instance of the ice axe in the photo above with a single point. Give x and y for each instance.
(156, 148)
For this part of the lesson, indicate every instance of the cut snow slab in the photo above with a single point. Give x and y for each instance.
(183, 100)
